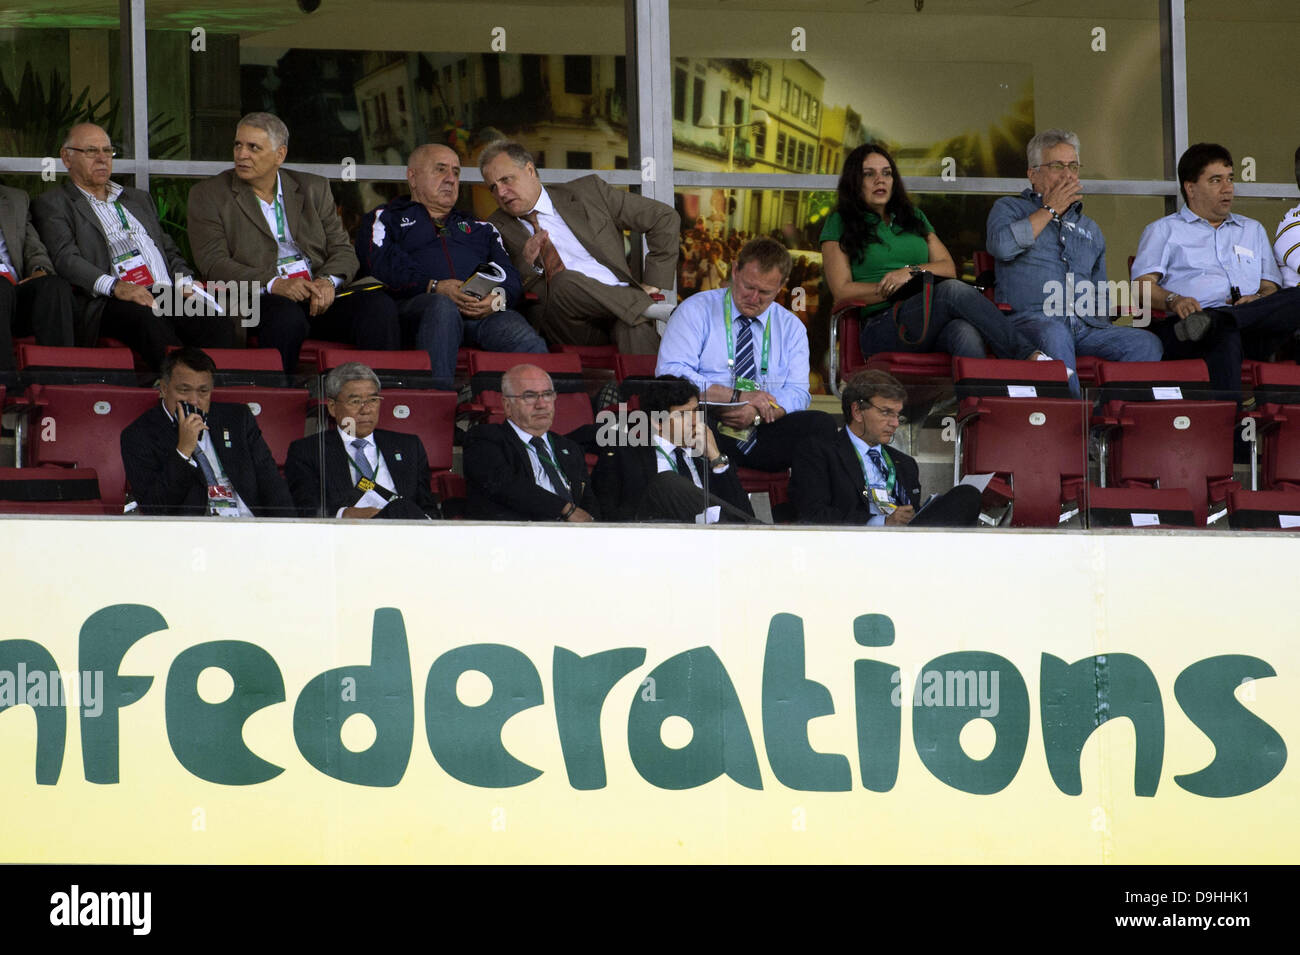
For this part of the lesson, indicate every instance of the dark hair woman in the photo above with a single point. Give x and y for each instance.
(876, 241)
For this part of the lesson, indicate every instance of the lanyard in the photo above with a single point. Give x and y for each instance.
(279, 222)
(126, 226)
(731, 338)
(889, 469)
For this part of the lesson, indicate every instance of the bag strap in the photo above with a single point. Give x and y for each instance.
(927, 293)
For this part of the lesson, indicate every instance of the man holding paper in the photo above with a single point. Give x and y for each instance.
(749, 358)
(452, 277)
(106, 240)
(854, 477)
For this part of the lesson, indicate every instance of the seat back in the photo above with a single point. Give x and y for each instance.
(1264, 510)
(50, 490)
(1009, 378)
(572, 405)
(427, 413)
(1138, 380)
(247, 367)
(48, 364)
(1036, 444)
(81, 425)
(281, 414)
(410, 368)
(1140, 507)
(591, 356)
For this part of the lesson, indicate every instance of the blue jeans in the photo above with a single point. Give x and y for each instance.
(1065, 337)
(440, 329)
(962, 322)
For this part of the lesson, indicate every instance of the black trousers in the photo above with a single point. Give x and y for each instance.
(151, 335)
(42, 307)
(670, 496)
(363, 319)
(774, 449)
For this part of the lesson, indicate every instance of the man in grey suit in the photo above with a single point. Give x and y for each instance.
(567, 242)
(281, 229)
(33, 300)
(107, 241)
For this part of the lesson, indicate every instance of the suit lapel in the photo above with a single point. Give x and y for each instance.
(338, 473)
(249, 204)
(81, 206)
(293, 210)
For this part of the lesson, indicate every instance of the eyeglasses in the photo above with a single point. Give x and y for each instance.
(108, 152)
(358, 401)
(534, 396)
(896, 415)
(1060, 166)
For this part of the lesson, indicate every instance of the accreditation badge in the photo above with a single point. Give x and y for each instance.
(131, 267)
(293, 267)
(880, 497)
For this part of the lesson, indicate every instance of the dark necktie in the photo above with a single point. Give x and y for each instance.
(548, 466)
(745, 367)
(879, 462)
(551, 263)
(683, 467)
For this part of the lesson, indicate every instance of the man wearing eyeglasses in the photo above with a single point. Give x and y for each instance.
(106, 240)
(855, 477)
(354, 469)
(1051, 263)
(519, 470)
(191, 456)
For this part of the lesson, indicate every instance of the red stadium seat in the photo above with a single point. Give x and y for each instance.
(425, 412)
(281, 413)
(81, 426)
(309, 356)
(50, 490)
(1032, 443)
(1264, 510)
(985, 277)
(1277, 413)
(775, 484)
(1140, 507)
(408, 368)
(634, 366)
(248, 367)
(48, 364)
(591, 356)
(572, 405)
(1169, 442)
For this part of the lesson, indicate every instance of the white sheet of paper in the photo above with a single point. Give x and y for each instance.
(1145, 520)
(711, 515)
(1022, 391)
(1289, 520)
(212, 302)
(978, 481)
(1169, 393)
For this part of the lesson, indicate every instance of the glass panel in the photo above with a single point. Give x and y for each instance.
(57, 69)
(834, 78)
(1242, 113)
(352, 84)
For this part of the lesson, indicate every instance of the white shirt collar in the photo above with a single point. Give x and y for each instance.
(524, 436)
(114, 190)
(349, 438)
(544, 206)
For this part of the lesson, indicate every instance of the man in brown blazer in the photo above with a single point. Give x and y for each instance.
(33, 300)
(566, 240)
(260, 223)
(106, 240)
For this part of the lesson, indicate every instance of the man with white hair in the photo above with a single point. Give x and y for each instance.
(518, 470)
(260, 223)
(1051, 263)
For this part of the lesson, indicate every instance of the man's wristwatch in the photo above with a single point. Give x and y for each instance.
(720, 462)
(433, 285)
(915, 269)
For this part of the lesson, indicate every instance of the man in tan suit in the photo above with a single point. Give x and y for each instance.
(280, 228)
(33, 300)
(107, 242)
(567, 242)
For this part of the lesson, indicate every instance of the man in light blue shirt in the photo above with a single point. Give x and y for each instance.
(1051, 263)
(744, 351)
(1213, 271)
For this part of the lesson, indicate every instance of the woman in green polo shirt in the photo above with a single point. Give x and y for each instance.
(876, 241)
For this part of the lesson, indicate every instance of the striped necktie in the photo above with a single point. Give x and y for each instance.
(745, 367)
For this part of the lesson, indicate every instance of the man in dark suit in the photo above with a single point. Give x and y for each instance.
(567, 243)
(666, 466)
(854, 477)
(33, 300)
(518, 470)
(202, 459)
(281, 229)
(106, 240)
(366, 472)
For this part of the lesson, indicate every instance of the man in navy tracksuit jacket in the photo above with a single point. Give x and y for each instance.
(423, 249)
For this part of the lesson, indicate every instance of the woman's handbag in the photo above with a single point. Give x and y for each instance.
(917, 325)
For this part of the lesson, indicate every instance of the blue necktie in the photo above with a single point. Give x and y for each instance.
(360, 459)
(205, 467)
(745, 367)
(879, 462)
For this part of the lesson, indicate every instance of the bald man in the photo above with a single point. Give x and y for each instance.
(106, 240)
(519, 470)
(424, 250)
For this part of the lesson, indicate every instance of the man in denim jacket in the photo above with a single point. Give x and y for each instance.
(1051, 263)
